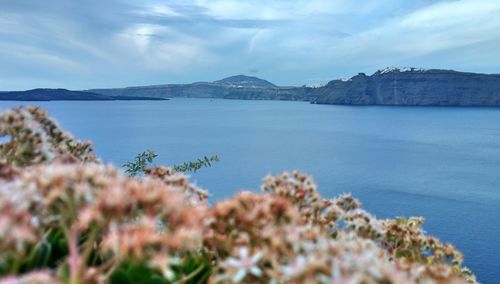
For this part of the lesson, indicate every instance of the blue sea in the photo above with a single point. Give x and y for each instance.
(442, 163)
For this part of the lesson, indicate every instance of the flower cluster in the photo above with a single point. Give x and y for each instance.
(119, 217)
(416, 246)
(265, 238)
(66, 218)
(7, 172)
(195, 195)
(250, 220)
(17, 224)
(36, 138)
(315, 240)
(301, 190)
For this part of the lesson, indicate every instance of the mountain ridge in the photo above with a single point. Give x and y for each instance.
(399, 86)
(233, 87)
(245, 81)
(409, 86)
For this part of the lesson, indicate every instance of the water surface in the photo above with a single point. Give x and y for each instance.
(440, 163)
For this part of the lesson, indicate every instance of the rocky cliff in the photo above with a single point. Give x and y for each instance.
(414, 87)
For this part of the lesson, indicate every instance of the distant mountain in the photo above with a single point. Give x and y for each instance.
(235, 87)
(242, 81)
(413, 87)
(62, 95)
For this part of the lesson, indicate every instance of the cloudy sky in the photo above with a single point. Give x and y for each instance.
(116, 43)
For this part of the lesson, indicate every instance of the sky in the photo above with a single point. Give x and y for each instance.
(116, 43)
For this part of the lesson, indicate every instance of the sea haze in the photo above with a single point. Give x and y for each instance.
(440, 163)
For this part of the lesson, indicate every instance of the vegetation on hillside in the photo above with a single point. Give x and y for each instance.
(66, 217)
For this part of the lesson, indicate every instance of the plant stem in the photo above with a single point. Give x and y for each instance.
(72, 237)
(191, 276)
(89, 244)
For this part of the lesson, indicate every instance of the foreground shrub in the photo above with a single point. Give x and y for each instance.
(67, 218)
(35, 138)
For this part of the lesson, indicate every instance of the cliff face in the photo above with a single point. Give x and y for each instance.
(415, 87)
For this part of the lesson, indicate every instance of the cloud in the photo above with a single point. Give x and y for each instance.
(421, 33)
(137, 42)
(158, 47)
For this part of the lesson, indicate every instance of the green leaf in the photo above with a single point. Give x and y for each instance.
(136, 272)
(141, 162)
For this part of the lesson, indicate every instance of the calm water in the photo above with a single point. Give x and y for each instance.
(441, 163)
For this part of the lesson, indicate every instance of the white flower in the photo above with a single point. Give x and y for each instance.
(297, 267)
(245, 265)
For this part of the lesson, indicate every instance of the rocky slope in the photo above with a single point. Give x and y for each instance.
(413, 87)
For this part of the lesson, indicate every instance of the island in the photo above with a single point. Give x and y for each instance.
(235, 87)
(388, 86)
(64, 95)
